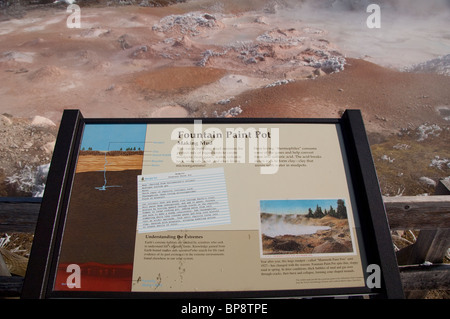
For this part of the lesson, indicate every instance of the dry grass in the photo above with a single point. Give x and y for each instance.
(409, 166)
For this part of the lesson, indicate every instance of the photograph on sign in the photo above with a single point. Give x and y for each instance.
(303, 227)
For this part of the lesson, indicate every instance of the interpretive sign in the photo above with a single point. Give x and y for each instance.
(212, 207)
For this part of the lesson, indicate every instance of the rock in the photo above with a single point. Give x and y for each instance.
(183, 42)
(209, 16)
(40, 121)
(260, 19)
(124, 41)
(319, 72)
(427, 181)
(140, 52)
(5, 120)
(289, 245)
(331, 247)
(48, 147)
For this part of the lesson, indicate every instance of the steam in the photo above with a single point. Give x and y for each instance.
(404, 7)
(278, 225)
(412, 31)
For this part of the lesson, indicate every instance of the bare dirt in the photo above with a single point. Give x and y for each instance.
(334, 240)
(193, 59)
(207, 59)
(389, 99)
(95, 163)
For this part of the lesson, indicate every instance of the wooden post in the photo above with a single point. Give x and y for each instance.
(4, 271)
(441, 237)
(431, 244)
(439, 240)
(443, 187)
(17, 264)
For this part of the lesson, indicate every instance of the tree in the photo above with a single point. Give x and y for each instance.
(332, 212)
(341, 209)
(310, 213)
(318, 212)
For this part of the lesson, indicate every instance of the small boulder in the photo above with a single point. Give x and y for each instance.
(40, 121)
(5, 121)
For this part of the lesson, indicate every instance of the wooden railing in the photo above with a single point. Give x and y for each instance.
(421, 264)
(17, 215)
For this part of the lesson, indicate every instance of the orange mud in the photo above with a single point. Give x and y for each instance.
(92, 163)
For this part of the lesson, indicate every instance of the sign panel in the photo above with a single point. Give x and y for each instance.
(216, 207)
